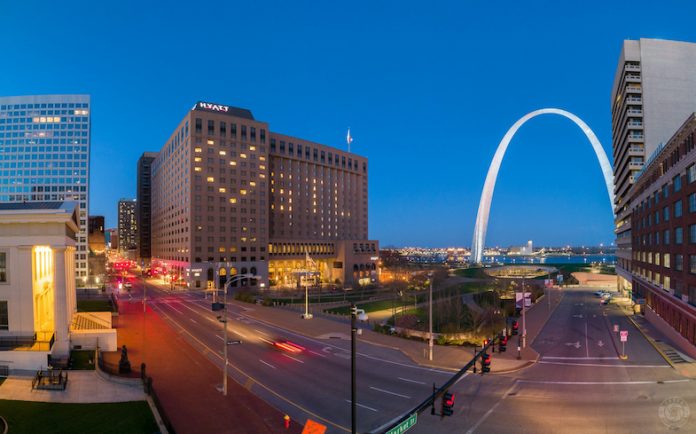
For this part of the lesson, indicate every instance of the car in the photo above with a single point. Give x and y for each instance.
(601, 292)
(606, 295)
(128, 285)
(288, 346)
(362, 316)
(605, 301)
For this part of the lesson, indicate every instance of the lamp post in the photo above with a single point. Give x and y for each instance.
(430, 320)
(224, 324)
(524, 317)
(353, 331)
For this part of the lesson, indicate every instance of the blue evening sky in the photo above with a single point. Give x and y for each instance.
(428, 88)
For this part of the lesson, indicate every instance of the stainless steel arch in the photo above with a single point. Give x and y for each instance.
(481, 226)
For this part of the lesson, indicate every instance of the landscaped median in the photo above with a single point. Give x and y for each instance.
(44, 417)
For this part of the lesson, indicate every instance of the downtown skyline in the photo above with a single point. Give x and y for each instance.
(427, 105)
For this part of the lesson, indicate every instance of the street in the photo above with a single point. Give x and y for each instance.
(579, 384)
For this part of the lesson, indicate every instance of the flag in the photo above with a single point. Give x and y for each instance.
(310, 262)
(349, 139)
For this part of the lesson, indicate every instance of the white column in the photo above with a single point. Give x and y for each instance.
(64, 270)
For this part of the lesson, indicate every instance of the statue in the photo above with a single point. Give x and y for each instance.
(124, 366)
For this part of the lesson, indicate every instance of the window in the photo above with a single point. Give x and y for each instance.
(679, 262)
(692, 202)
(665, 260)
(666, 237)
(211, 127)
(4, 318)
(199, 125)
(678, 235)
(244, 132)
(692, 264)
(665, 213)
(3, 267)
(665, 192)
(677, 209)
(692, 234)
(677, 183)
(691, 174)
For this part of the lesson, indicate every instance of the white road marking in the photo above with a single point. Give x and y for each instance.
(220, 337)
(599, 383)
(172, 307)
(292, 358)
(260, 332)
(389, 392)
(363, 406)
(604, 366)
(266, 341)
(193, 320)
(587, 342)
(318, 354)
(410, 381)
(573, 344)
(490, 410)
(577, 316)
(239, 333)
(267, 364)
(579, 358)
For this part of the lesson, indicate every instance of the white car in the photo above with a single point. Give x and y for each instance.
(601, 292)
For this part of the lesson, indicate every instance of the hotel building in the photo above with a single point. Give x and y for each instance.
(653, 89)
(663, 241)
(231, 197)
(44, 156)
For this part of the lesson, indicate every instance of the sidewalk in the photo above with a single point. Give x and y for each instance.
(662, 344)
(83, 387)
(444, 357)
(185, 381)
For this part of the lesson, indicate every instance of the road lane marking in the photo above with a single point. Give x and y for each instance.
(579, 358)
(239, 333)
(410, 381)
(389, 392)
(604, 365)
(491, 410)
(363, 406)
(273, 392)
(292, 358)
(259, 331)
(587, 341)
(193, 320)
(599, 383)
(172, 307)
(220, 337)
(318, 354)
(267, 364)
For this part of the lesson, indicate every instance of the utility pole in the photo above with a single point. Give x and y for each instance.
(430, 320)
(353, 332)
(524, 317)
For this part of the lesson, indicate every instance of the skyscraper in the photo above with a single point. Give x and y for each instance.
(654, 91)
(127, 226)
(45, 154)
(144, 206)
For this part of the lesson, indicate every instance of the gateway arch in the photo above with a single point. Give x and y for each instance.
(484, 209)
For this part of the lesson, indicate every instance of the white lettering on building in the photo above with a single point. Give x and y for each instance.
(214, 107)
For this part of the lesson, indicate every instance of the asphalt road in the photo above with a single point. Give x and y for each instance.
(579, 385)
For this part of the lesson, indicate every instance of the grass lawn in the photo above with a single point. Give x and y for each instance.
(43, 417)
(372, 306)
(81, 359)
(94, 306)
(471, 272)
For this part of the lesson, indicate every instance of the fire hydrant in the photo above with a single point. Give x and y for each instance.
(286, 419)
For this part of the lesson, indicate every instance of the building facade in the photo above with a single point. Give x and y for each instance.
(45, 148)
(97, 249)
(127, 225)
(653, 90)
(144, 207)
(230, 197)
(663, 242)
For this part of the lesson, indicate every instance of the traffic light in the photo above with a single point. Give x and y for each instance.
(503, 343)
(486, 362)
(515, 327)
(447, 404)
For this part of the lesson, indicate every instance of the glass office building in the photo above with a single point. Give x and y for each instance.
(44, 155)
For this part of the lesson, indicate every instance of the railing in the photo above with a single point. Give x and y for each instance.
(11, 342)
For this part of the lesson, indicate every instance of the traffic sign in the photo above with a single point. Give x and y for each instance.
(405, 425)
(312, 427)
(616, 328)
(624, 335)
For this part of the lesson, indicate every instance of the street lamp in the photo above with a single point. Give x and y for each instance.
(224, 323)
(430, 319)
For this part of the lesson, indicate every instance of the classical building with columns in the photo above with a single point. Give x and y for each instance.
(38, 307)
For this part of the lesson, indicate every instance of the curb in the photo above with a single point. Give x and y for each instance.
(158, 417)
(649, 339)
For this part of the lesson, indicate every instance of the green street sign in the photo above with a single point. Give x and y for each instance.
(405, 425)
